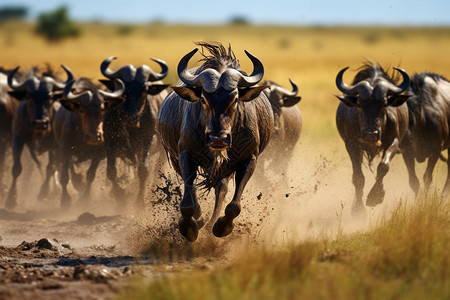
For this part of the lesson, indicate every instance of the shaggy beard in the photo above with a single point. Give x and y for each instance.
(211, 175)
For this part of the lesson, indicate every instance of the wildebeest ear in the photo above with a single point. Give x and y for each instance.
(190, 94)
(69, 104)
(19, 95)
(111, 103)
(348, 100)
(289, 101)
(155, 89)
(108, 83)
(248, 94)
(397, 100)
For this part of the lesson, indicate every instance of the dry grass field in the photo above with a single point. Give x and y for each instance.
(320, 250)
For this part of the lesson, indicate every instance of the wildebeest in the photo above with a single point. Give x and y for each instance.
(372, 118)
(288, 125)
(217, 120)
(8, 105)
(78, 129)
(429, 126)
(130, 128)
(32, 123)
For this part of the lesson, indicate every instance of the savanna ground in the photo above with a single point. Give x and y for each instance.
(295, 236)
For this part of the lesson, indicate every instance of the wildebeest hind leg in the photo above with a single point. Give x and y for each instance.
(224, 225)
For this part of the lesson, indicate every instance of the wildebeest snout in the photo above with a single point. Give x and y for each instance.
(94, 139)
(41, 125)
(372, 136)
(218, 141)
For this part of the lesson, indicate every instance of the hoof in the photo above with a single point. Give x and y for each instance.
(188, 228)
(222, 227)
(375, 197)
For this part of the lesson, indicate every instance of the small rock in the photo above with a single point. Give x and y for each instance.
(46, 244)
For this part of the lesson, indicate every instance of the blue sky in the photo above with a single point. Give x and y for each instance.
(283, 12)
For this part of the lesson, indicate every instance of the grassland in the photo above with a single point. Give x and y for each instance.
(402, 256)
(311, 56)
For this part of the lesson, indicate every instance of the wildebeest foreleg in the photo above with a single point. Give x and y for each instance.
(446, 191)
(90, 176)
(64, 176)
(358, 179)
(189, 207)
(111, 173)
(49, 171)
(2, 163)
(17, 148)
(376, 194)
(143, 175)
(224, 225)
(428, 175)
(220, 191)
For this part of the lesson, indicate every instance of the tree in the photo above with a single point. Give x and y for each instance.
(12, 12)
(56, 25)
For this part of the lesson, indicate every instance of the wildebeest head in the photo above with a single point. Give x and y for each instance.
(280, 97)
(83, 97)
(220, 85)
(39, 92)
(139, 82)
(372, 92)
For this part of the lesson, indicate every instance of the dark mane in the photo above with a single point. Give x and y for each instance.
(220, 57)
(372, 71)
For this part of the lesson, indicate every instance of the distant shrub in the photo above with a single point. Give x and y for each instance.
(239, 20)
(56, 25)
(125, 29)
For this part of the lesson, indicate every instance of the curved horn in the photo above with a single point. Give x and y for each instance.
(61, 85)
(27, 84)
(294, 89)
(257, 74)
(184, 74)
(403, 86)
(342, 86)
(68, 94)
(153, 76)
(104, 68)
(117, 93)
(126, 72)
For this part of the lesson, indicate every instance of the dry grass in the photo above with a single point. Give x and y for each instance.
(404, 256)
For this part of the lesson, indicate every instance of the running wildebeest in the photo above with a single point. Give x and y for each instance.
(216, 119)
(429, 127)
(78, 129)
(32, 123)
(8, 105)
(130, 127)
(288, 125)
(372, 118)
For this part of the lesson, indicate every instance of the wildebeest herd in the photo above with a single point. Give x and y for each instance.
(213, 125)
